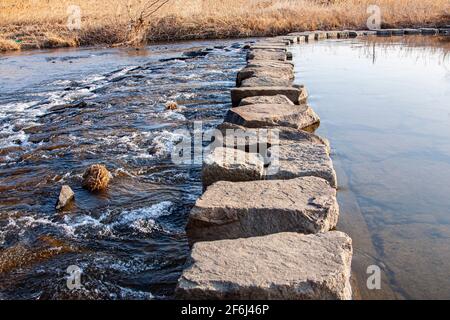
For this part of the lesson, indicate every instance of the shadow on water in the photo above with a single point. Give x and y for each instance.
(384, 105)
(61, 111)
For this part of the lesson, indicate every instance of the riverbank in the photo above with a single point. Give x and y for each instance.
(30, 24)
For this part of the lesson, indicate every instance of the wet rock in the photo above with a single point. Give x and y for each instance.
(301, 160)
(66, 196)
(96, 178)
(278, 99)
(227, 164)
(296, 95)
(22, 256)
(266, 55)
(262, 115)
(284, 266)
(232, 210)
(195, 53)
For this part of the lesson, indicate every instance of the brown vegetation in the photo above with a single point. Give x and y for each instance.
(96, 178)
(43, 23)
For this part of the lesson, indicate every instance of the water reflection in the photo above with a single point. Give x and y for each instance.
(385, 106)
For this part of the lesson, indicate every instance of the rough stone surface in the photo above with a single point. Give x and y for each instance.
(281, 48)
(266, 55)
(277, 72)
(296, 95)
(227, 164)
(301, 160)
(284, 266)
(343, 35)
(267, 136)
(278, 99)
(66, 195)
(232, 210)
(319, 35)
(260, 115)
(265, 81)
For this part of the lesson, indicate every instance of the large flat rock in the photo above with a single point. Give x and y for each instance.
(284, 266)
(266, 54)
(282, 72)
(266, 81)
(278, 99)
(258, 140)
(297, 95)
(229, 164)
(300, 160)
(261, 115)
(232, 210)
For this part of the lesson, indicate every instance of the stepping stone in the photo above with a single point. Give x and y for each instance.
(266, 55)
(262, 115)
(281, 72)
(265, 81)
(412, 31)
(233, 210)
(343, 35)
(429, 31)
(278, 99)
(229, 164)
(235, 136)
(268, 47)
(319, 35)
(300, 160)
(296, 95)
(284, 266)
(397, 32)
(384, 33)
(332, 34)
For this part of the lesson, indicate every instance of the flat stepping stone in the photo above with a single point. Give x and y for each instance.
(235, 136)
(266, 55)
(296, 95)
(229, 164)
(261, 115)
(284, 266)
(283, 72)
(300, 160)
(233, 210)
(278, 99)
(265, 81)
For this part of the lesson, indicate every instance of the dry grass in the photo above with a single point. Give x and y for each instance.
(42, 23)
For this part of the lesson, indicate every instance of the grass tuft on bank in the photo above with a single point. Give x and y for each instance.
(28, 24)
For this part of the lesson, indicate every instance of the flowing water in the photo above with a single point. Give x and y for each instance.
(61, 111)
(385, 106)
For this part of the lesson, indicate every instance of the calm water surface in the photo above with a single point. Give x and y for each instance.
(385, 106)
(61, 111)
